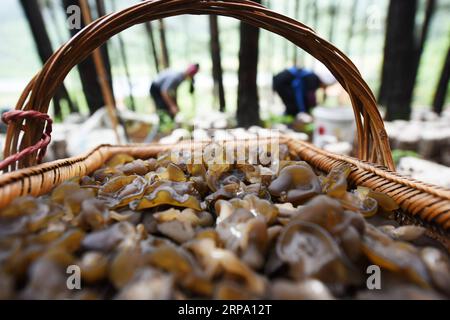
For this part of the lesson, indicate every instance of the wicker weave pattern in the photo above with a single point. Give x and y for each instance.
(372, 138)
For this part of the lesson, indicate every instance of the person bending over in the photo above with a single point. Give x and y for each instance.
(164, 88)
(297, 88)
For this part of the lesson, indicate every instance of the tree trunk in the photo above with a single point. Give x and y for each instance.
(149, 28)
(441, 90)
(88, 74)
(351, 28)
(285, 43)
(314, 21)
(399, 59)
(270, 46)
(104, 49)
(164, 49)
(315, 15)
(50, 5)
(295, 48)
(44, 48)
(407, 56)
(216, 62)
(364, 36)
(123, 54)
(333, 13)
(248, 102)
(429, 11)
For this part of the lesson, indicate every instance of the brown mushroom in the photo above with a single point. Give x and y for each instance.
(308, 289)
(384, 201)
(179, 225)
(403, 233)
(179, 194)
(124, 266)
(438, 266)
(396, 256)
(47, 280)
(216, 260)
(71, 196)
(172, 173)
(7, 286)
(258, 207)
(120, 191)
(148, 284)
(360, 201)
(108, 239)
(227, 191)
(296, 184)
(214, 173)
(307, 248)
(230, 290)
(183, 266)
(94, 266)
(335, 183)
(119, 159)
(136, 167)
(245, 235)
(94, 215)
(23, 216)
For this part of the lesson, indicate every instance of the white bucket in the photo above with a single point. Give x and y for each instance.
(329, 122)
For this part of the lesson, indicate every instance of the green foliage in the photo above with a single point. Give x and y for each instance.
(397, 154)
(275, 119)
(166, 124)
(309, 128)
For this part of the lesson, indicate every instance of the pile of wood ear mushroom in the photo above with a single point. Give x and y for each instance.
(159, 229)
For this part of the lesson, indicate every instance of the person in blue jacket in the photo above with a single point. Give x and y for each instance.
(297, 88)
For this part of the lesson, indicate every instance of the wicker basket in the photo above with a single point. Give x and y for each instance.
(423, 204)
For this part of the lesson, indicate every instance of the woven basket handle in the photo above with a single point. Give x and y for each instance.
(372, 138)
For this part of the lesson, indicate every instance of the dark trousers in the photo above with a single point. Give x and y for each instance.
(161, 105)
(282, 84)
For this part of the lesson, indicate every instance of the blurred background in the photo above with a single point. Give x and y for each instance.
(401, 47)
